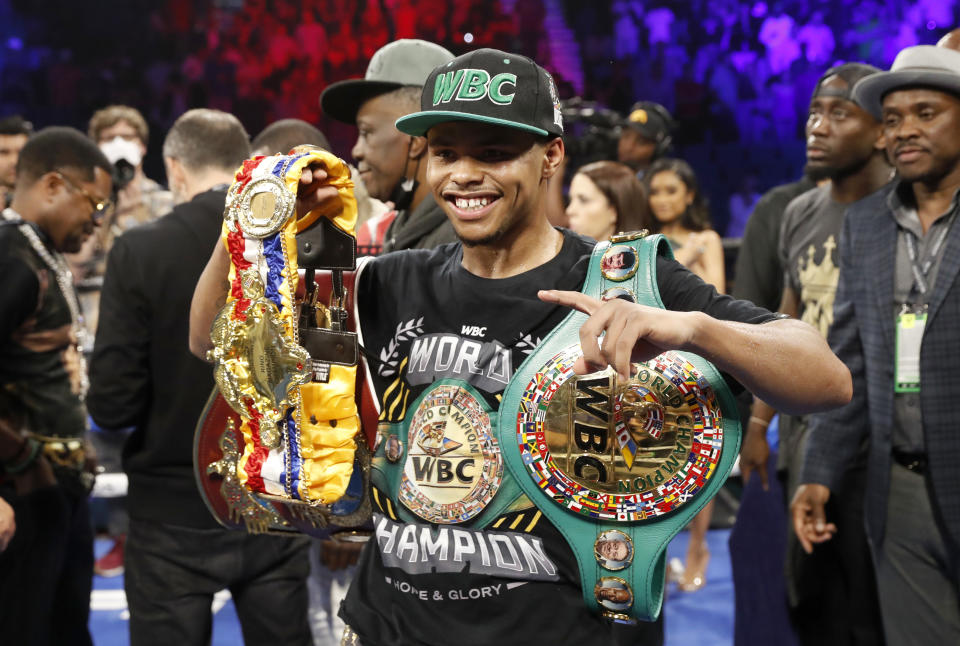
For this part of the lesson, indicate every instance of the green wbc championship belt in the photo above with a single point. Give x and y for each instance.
(619, 467)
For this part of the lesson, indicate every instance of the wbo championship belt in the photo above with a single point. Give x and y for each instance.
(619, 467)
(290, 455)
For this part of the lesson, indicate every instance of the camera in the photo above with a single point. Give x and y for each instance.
(592, 131)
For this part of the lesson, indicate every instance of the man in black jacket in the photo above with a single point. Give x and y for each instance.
(392, 164)
(143, 375)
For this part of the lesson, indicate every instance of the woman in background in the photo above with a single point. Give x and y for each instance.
(606, 197)
(680, 213)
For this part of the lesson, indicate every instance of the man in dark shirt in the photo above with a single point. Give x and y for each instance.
(479, 301)
(62, 191)
(392, 164)
(758, 276)
(142, 375)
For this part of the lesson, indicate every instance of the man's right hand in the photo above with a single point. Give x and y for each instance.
(8, 524)
(809, 518)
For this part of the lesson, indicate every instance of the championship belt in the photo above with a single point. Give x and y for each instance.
(290, 454)
(619, 467)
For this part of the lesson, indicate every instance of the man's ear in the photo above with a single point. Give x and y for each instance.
(553, 153)
(175, 172)
(418, 146)
(51, 184)
(881, 141)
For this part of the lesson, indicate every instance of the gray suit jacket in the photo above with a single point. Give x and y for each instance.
(862, 336)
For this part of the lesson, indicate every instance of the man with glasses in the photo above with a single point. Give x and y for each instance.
(61, 192)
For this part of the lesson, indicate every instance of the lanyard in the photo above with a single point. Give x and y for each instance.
(922, 269)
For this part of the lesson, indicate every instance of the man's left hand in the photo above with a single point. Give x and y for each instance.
(630, 332)
(313, 190)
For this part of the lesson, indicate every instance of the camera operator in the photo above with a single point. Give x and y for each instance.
(646, 135)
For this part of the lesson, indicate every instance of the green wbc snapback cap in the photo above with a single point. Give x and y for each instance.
(488, 86)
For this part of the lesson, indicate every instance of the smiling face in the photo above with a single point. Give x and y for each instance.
(381, 150)
(841, 136)
(669, 196)
(590, 212)
(922, 130)
(490, 180)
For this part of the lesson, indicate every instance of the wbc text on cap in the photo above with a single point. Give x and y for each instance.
(489, 86)
(474, 85)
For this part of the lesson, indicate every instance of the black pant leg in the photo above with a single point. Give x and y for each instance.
(71, 606)
(270, 591)
(32, 573)
(170, 577)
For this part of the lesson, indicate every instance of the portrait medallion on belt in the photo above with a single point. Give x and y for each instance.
(619, 262)
(453, 464)
(620, 451)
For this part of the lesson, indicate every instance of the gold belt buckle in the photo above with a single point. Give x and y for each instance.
(63, 451)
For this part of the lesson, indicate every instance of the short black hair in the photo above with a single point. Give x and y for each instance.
(15, 125)
(58, 147)
(204, 138)
(281, 136)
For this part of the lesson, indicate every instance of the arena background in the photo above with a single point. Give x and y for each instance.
(736, 75)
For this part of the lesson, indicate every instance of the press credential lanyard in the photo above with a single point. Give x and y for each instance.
(912, 319)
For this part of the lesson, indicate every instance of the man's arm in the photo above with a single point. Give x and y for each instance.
(834, 437)
(784, 362)
(211, 291)
(119, 367)
(208, 298)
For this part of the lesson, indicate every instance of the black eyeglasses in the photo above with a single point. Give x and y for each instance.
(100, 207)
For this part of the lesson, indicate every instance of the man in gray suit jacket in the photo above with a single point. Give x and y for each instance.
(897, 328)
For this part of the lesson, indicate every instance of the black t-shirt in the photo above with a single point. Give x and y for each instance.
(424, 318)
(759, 274)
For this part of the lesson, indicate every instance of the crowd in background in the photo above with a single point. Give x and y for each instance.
(735, 74)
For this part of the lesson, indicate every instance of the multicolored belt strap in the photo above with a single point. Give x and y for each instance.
(298, 433)
(619, 467)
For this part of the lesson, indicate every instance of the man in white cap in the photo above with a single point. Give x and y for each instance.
(895, 325)
(392, 164)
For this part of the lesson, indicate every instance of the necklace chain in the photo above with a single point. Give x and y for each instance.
(64, 278)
